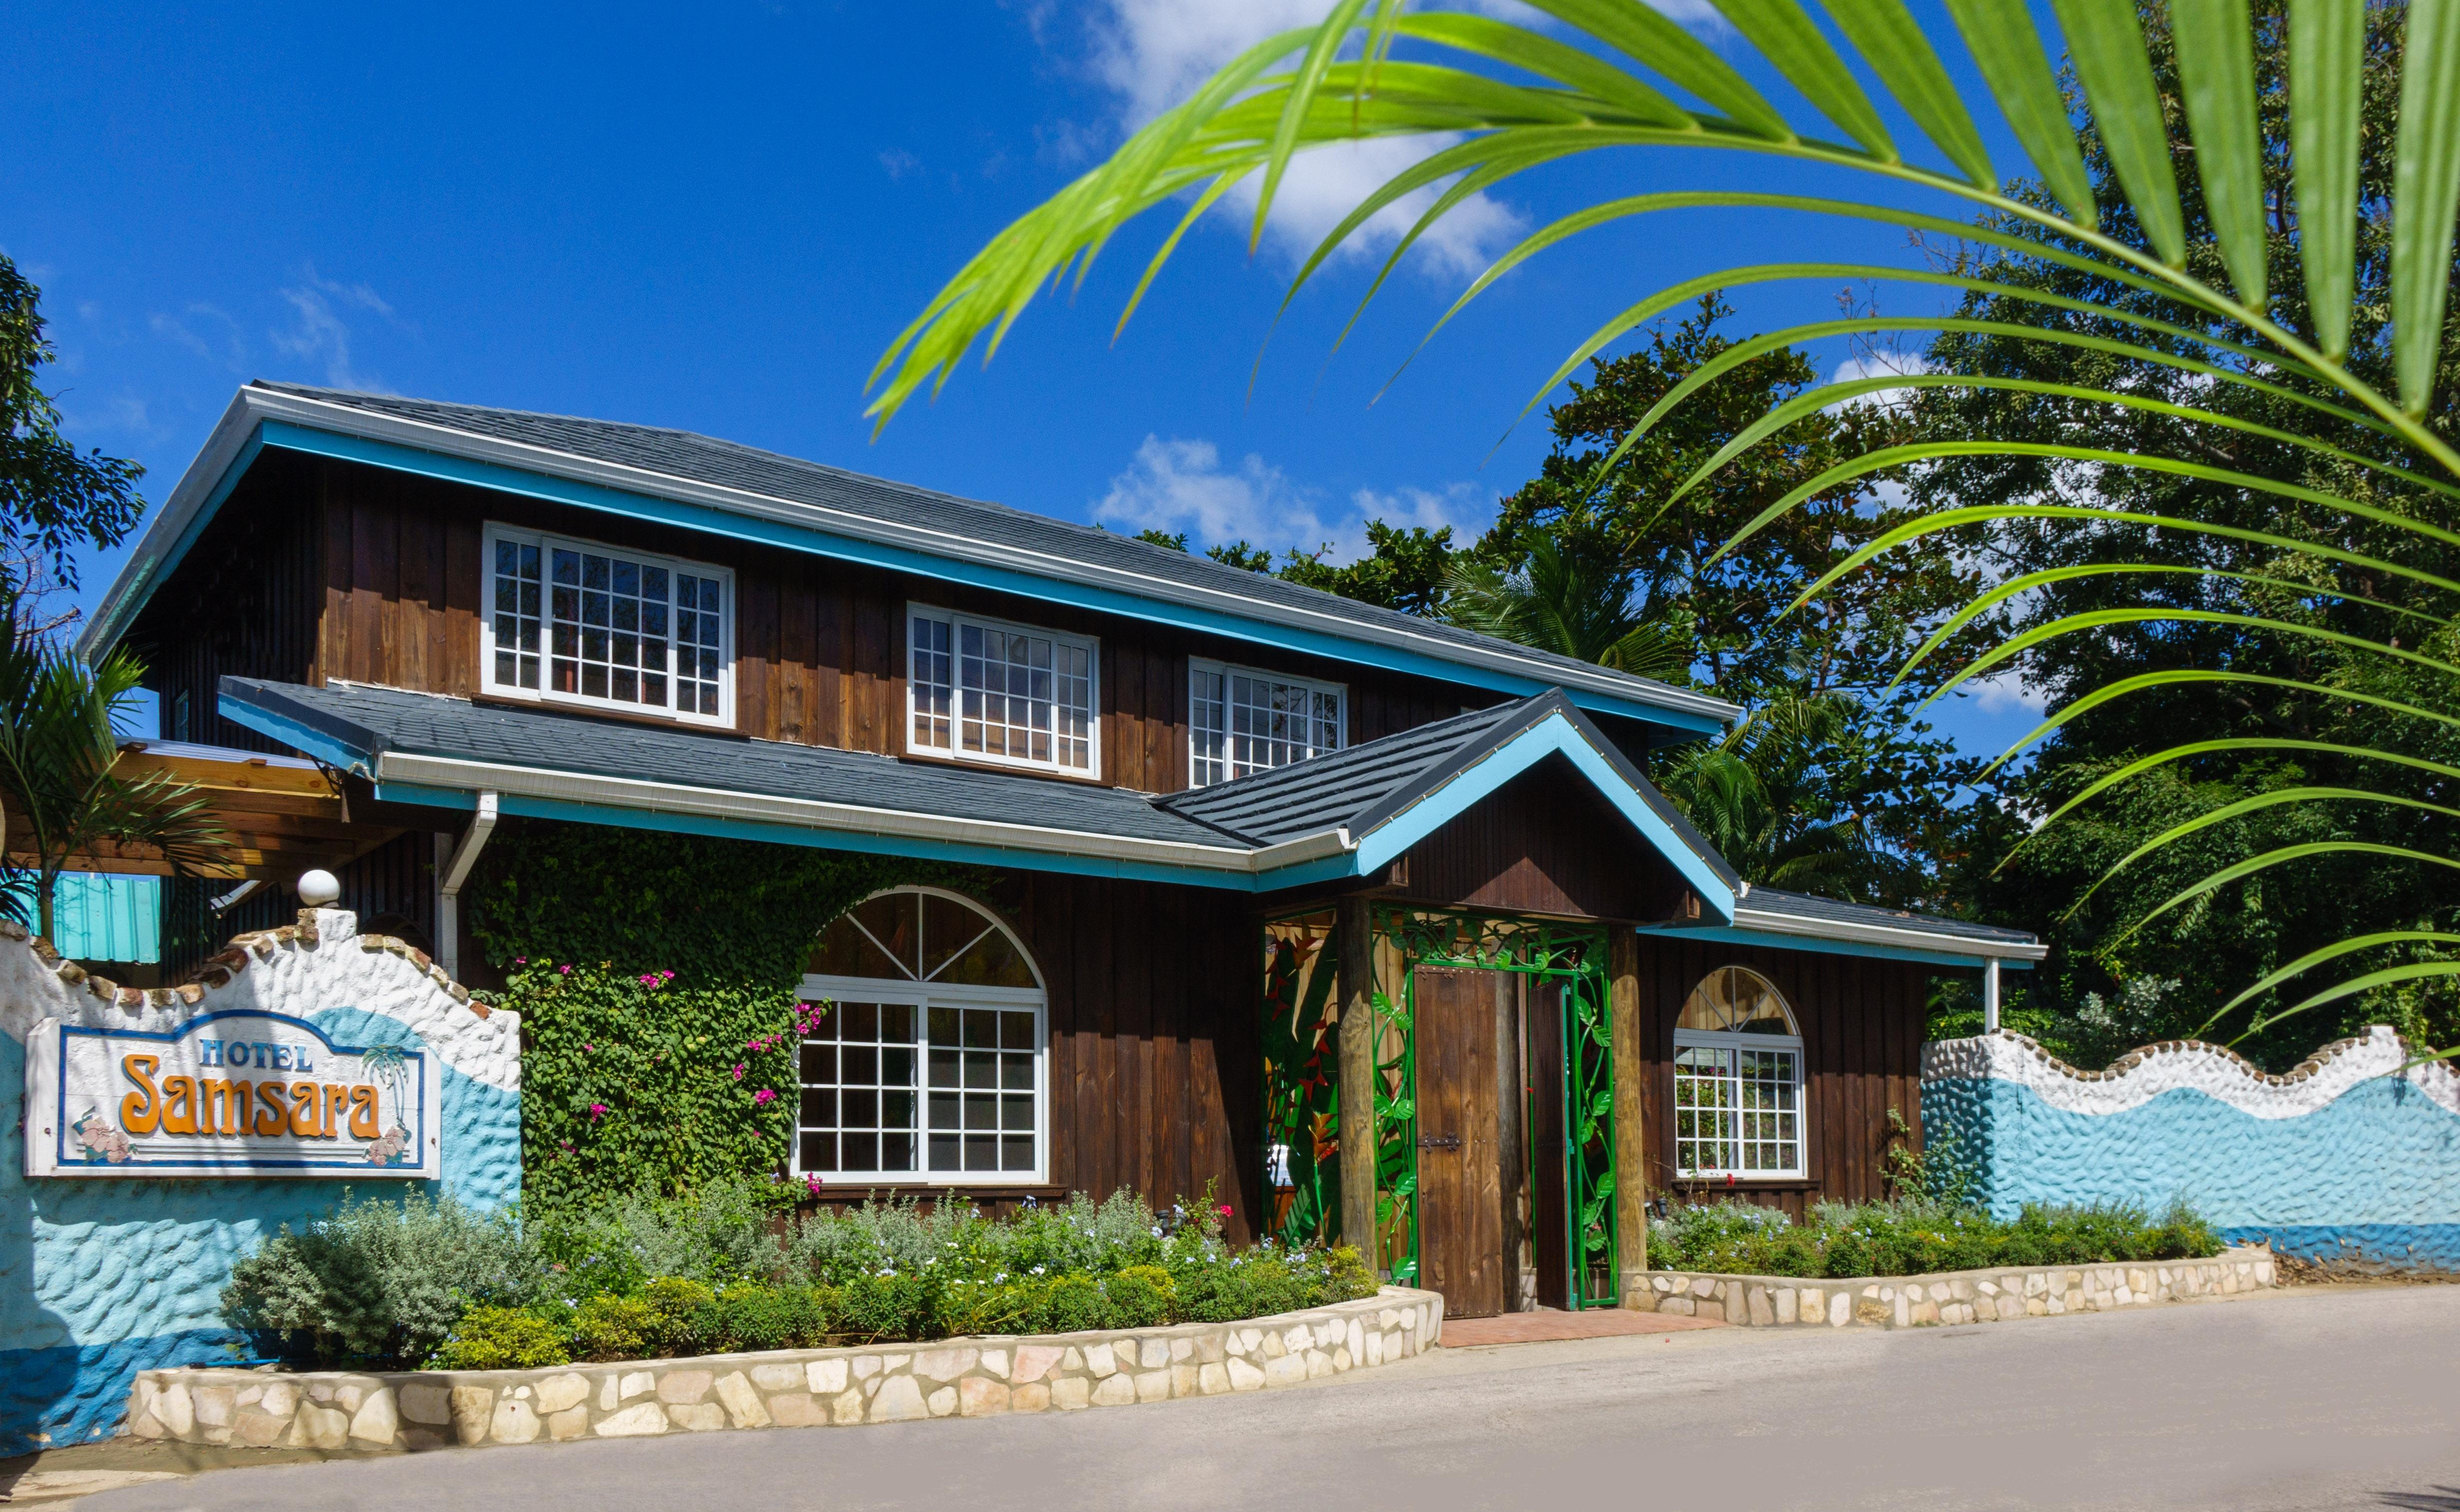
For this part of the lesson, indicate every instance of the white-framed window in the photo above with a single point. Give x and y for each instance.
(1012, 695)
(1241, 720)
(1737, 1080)
(927, 1064)
(574, 622)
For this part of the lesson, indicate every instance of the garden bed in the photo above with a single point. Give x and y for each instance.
(1946, 1299)
(959, 1378)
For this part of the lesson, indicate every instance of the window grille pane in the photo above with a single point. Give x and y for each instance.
(1208, 756)
(1022, 697)
(1244, 723)
(517, 620)
(856, 1112)
(929, 679)
(1704, 1113)
(617, 629)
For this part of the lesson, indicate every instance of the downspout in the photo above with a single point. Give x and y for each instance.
(1990, 995)
(453, 871)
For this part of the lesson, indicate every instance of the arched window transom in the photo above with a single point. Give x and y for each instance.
(1737, 1080)
(927, 1066)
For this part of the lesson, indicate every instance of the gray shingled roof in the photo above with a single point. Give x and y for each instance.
(688, 456)
(1828, 910)
(1365, 785)
(371, 720)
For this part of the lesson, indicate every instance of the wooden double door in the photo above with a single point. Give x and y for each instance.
(1491, 1170)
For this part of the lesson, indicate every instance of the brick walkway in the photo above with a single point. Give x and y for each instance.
(1536, 1328)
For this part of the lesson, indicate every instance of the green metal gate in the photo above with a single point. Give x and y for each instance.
(1302, 1077)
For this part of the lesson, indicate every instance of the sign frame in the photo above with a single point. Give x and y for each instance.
(55, 1149)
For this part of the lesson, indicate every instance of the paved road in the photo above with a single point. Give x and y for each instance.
(2309, 1399)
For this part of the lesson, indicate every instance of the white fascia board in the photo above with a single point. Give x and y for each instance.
(1746, 916)
(653, 797)
(254, 404)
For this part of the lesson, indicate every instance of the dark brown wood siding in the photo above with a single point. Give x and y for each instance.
(819, 644)
(1861, 1024)
(1546, 842)
(1153, 1069)
(243, 603)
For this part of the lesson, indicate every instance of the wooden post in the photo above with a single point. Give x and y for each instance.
(1631, 1134)
(1357, 983)
(1990, 995)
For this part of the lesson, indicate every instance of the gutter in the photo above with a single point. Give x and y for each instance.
(207, 480)
(653, 797)
(1746, 916)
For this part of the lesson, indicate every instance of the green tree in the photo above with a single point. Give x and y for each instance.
(1777, 796)
(1564, 592)
(2191, 250)
(53, 497)
(2215, 601)
(1403, 569)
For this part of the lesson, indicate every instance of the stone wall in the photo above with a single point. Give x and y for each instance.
(967, 1377)
(2352, 1156)
(1958, 1296)
(101, 1277)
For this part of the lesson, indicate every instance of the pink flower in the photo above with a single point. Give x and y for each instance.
(738, 1070)
(596, 1111)
(763, 1097)
(812, 1185)
(565, 970)
(1225, 1209)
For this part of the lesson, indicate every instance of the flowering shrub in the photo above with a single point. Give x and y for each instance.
(655, 975)
(1911, 1237)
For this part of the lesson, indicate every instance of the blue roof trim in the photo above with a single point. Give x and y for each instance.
(289, 436)
(1553, 735)
(1729, 934)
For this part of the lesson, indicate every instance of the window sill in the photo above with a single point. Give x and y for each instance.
(1747, 1183)
(665, 721)
(856, 1191)
(926, 758)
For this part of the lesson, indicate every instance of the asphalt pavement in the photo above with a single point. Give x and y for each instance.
(2310, 1398)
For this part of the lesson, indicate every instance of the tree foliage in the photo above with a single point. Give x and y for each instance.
(53, 497)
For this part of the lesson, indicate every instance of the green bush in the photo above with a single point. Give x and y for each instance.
(503, 1338)
(1141, 1296)
(1913, 1237)
(644, 1277)
(380, 1284)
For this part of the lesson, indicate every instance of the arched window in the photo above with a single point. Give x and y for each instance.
(928, 1065)
(1737, 1080)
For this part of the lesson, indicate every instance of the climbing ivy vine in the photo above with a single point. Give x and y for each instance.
(655, 975)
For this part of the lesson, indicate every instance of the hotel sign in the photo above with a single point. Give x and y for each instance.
(228, 1093)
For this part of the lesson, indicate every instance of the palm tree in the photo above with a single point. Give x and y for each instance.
(1748, 795)
(1568, 598)
(58, 748)
(2192, 272)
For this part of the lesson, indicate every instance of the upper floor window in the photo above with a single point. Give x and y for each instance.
(981, 690)
(1241, 720)
(575, 622)
(1737, 1080)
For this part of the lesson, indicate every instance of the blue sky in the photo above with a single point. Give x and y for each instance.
(719, 222)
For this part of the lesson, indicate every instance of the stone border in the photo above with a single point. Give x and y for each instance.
(961, 1378)
(1951, 1298)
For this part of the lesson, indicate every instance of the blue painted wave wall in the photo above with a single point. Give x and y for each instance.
(101, 1278)
(2372, 1177)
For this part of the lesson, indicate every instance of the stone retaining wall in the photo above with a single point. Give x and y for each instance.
(967, 1377)
(1957, 1296)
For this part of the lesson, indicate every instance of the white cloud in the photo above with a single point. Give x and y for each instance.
(319, 334)
(1153, 54)
(206, 330)
(1882, 363)
(2008, 693)
(1181, 485)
